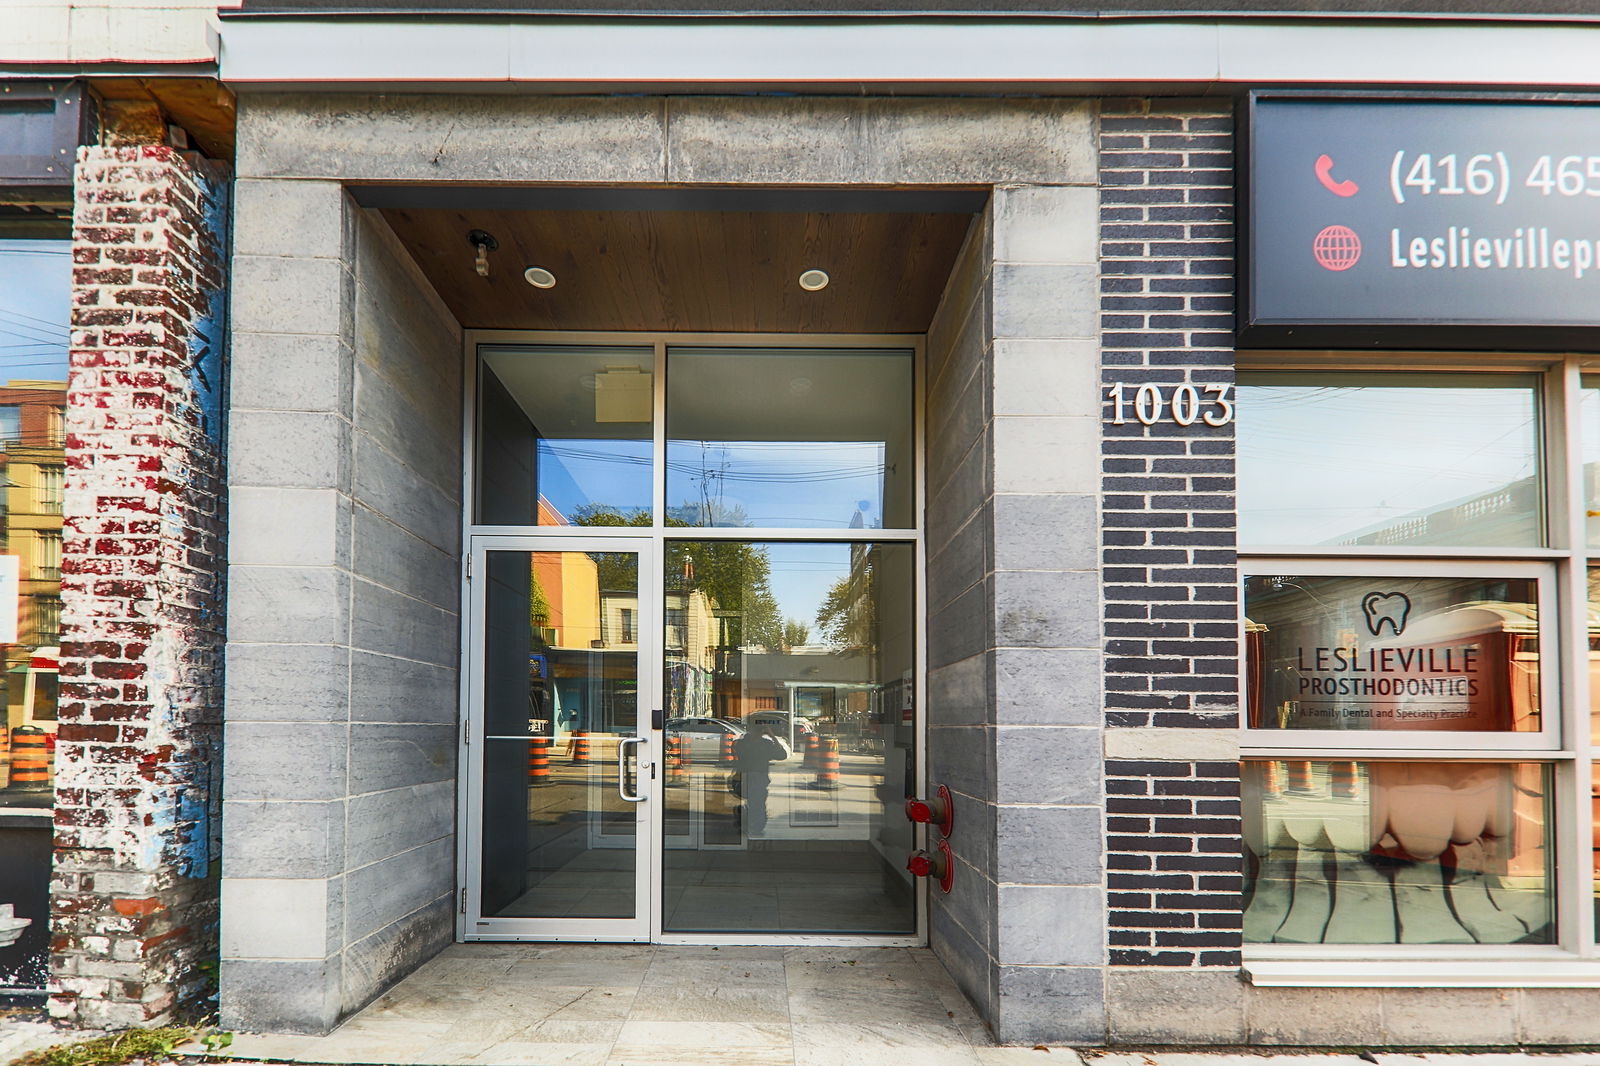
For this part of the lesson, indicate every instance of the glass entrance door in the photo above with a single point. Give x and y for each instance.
(559, 741)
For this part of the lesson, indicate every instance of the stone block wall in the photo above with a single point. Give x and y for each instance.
(1013, 631)
(339, 863)
(134, 894)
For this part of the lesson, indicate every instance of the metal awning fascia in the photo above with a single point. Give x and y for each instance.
(995, 55)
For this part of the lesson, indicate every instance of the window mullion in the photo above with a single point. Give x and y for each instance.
(1569, 530)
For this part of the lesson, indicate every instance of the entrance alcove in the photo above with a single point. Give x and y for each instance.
(426, 276)
(967, 222)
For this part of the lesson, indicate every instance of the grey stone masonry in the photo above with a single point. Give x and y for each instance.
(1168, 561)
(1013, 631)
(338, 865)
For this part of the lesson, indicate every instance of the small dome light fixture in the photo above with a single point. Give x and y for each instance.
(814, 280)
(539, 278)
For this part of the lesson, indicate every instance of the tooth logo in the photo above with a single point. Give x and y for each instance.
(1386, 609)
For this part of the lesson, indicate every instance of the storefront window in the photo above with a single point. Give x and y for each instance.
(1395, 852)
(35, 302)
(1399, 605)
(1389, 459)
(1393, 653)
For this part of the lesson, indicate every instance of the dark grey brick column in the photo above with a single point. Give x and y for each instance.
(1170, 577)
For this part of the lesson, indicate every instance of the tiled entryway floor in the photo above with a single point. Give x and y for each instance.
(644, 1005)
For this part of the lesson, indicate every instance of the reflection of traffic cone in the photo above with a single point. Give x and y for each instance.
(728, 758)
(30, 758)
(1272, 779)
(828, 767)
(539, 760)
(676, 771)
(5, 754)
(1300, 775)
(1346, 779)
(580, 746)
(813, 757)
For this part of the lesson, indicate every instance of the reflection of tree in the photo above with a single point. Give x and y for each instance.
(538, 603)
(848, 616)
(733, 575)
(795, 634)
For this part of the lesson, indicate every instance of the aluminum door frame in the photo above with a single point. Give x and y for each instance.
(471, 924)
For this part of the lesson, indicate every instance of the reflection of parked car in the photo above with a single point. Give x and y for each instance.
(702, 737)
(779, 721)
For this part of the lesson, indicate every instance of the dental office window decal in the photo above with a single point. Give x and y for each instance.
(1450, 654)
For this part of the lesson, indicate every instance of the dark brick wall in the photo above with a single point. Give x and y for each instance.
(1168, 546)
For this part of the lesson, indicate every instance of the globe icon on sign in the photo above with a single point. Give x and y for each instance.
(1336, 248)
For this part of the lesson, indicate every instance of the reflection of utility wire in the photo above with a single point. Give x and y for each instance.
(765, 474)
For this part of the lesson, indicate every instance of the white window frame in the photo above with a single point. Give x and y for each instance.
(1561, 569)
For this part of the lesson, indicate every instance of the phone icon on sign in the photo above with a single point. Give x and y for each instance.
(1325, 175)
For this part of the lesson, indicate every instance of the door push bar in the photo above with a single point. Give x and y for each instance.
(622, 769)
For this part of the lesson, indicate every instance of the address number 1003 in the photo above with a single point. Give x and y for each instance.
(1183, 404)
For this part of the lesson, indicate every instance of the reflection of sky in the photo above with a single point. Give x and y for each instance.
(611, 472)
(35, 302)
(801, 576)
(801, 484)
(1319, 463)
(804, 484)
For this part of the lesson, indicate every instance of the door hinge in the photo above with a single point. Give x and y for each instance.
(469, 568)
(466, 731)
(463, 901)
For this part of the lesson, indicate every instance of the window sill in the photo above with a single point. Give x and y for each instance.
(1557, 969)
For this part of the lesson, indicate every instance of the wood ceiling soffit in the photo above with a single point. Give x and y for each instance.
(689, 270)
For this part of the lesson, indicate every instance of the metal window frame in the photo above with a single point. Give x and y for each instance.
(652, 540)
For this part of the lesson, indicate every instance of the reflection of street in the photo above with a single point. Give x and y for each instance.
(1395, 852)
(581, 836)
(811, 869)
(814, 869)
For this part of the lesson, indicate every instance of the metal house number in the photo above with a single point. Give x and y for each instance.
(1183, 404)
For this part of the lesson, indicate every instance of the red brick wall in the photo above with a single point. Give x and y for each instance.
(134, 893)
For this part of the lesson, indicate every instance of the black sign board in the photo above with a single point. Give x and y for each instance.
(1420, 222)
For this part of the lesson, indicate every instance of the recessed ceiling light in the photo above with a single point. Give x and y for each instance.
(814, 280)
(539, 278)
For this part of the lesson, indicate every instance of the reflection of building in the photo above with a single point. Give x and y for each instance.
(1507, 514)
(34, 467)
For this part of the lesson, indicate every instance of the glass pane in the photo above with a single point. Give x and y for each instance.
(35, 310)
(565, 436)
(1441, 459)
(1397, 853)
(560, 692)
(1589, 405)
(1449, 654)
(35, 305)
(788, 437)
(790, 737)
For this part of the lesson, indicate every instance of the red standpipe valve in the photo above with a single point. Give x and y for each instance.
(939, 864)
(940, 810)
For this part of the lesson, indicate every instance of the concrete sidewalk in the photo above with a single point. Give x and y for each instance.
(645, 1005)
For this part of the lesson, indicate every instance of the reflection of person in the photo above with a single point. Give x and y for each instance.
(754, 753)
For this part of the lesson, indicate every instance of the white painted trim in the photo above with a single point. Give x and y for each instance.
(1002, 54)
(1183, 745)
(1470, 969)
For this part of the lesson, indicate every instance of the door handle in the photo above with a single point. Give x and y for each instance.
(622, 769)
